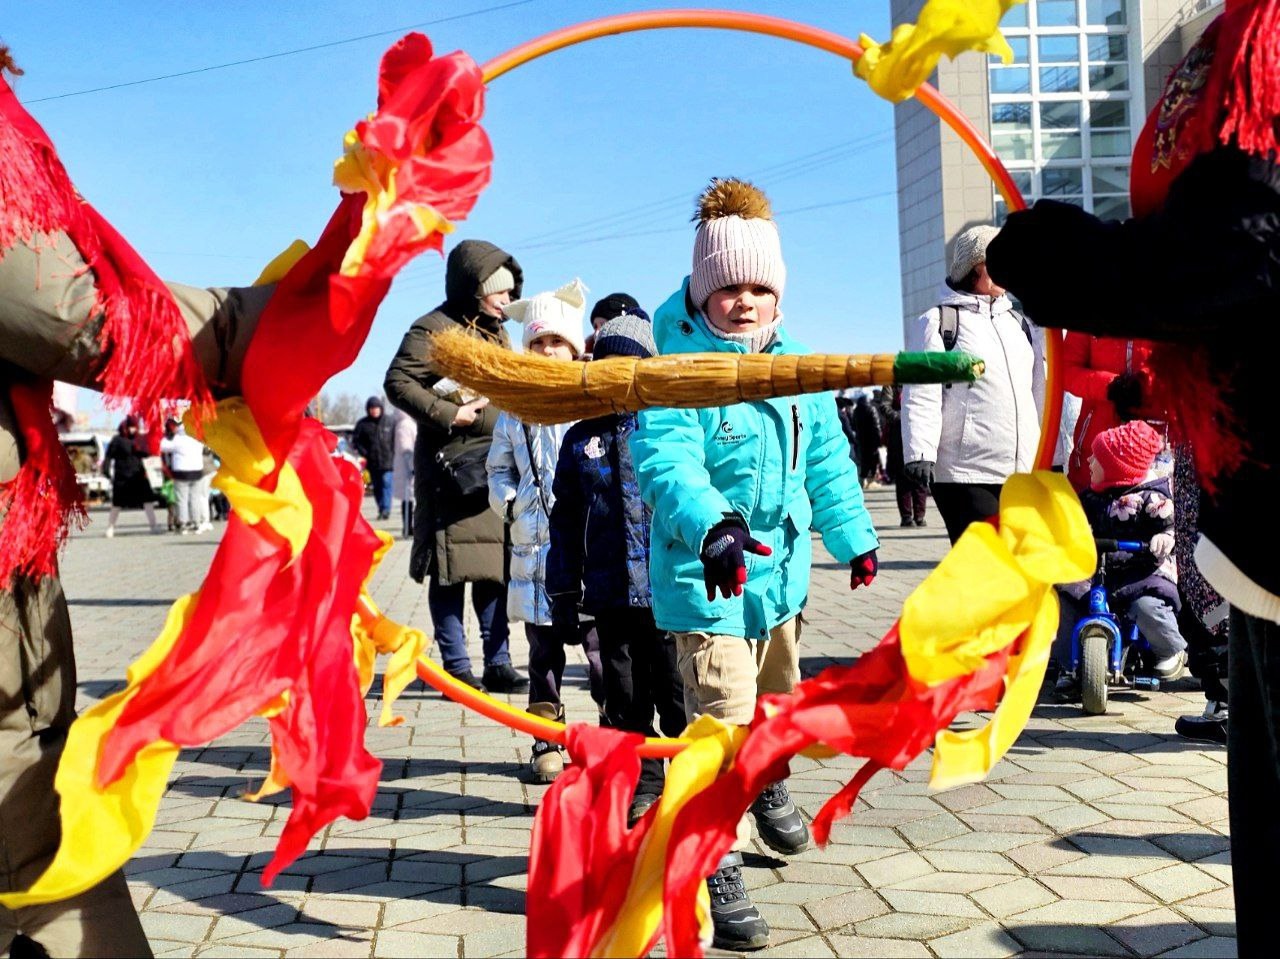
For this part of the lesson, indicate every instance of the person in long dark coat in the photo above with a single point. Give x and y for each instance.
(457, 538)
(123, 463)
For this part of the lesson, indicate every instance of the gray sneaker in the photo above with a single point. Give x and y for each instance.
(737, 924)
(781, 827)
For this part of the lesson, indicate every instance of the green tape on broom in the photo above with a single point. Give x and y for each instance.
(950, 367)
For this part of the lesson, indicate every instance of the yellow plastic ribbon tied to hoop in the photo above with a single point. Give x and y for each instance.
(1006, 577)
(945, 28)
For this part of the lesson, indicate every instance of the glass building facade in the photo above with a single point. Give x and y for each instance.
(1063, 115)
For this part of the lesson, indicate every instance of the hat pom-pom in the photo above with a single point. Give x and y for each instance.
(732, 197)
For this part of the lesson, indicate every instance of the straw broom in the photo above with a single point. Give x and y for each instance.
(541, 390)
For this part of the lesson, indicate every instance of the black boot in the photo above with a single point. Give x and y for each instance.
(781, 827)
(468, 677)
(737, 923)
(504, 679)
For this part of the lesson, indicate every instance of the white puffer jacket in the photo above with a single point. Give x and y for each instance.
(514, 494)
(979, 432)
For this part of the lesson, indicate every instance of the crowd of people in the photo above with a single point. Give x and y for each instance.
(673, 546)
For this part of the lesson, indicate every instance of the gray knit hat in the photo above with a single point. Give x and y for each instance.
(499, 280)
(737, 241)
(628, 335)
(970, 249)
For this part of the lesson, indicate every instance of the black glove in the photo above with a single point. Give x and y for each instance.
(864, 569)
(1127, 393)
(920, 473)
(723, 564)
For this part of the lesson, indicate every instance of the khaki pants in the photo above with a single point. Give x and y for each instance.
(100, 922)
(723, 675)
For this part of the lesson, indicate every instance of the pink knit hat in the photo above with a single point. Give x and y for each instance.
(1126, 453)
(737, 241)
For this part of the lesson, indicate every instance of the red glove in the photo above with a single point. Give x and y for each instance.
(864, 569)
(724, 566)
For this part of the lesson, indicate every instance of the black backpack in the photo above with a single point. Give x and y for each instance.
(949, 326)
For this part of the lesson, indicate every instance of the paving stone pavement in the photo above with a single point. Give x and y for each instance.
(1099, 836)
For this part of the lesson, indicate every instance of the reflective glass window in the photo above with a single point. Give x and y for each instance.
(1109, 114)
(1108, 47)
(1060, 79)
(1009, 117)
(1059, 49)
(1060, 146)
(1105, 13)
(1013, 146)
(1110, 179)
(1056, 13)
(1111, 207)
(1060, 115)
(1011, 80)
(1062, 181)
(1109, 144)
(1109, 77)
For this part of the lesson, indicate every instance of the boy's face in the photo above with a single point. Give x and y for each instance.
(744, 308)
(1095, 471)
(492, 304)
(553, 346)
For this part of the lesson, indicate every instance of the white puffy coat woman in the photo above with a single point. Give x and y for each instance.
(966, 439)
(522, 465)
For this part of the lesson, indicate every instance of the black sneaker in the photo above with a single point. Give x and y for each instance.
(907, 521)
(737, 924)
(469, 678)
(1066, 689)
(1209, 727)
(781, 827)
(922, 521)
(504, 679)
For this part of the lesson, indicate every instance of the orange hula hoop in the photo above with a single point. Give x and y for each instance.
(484, 704)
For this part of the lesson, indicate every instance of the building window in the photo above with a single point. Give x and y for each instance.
(1061, 115)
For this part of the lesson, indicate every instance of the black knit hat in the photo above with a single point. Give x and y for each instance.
(613, 306)
(629, 335)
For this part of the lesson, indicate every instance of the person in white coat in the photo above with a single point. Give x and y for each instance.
(521, 465)
(963, 440)
(406, 435)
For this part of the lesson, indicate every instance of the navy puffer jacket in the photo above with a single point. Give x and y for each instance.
(599, 553)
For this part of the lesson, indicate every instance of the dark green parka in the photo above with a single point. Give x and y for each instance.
(457, 539)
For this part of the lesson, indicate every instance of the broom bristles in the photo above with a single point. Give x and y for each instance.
(541, 390)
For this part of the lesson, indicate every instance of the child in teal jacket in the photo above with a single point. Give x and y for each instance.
(735, 491)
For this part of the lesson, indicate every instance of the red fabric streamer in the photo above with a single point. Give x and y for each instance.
(871, 708)
(146, 352)
(581, 854)
(266, 622)
(43, 502)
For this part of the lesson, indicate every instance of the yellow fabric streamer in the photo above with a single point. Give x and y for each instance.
(246, 462)
(374, 634)
(275, 271)
(102, 828)
(992, 588)
(713, 745)
(946, 27)
(359, 170)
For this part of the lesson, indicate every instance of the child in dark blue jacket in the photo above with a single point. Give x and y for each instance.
(599, 562)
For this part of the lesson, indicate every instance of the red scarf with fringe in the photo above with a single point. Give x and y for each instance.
(1225, 91)
(146, 352)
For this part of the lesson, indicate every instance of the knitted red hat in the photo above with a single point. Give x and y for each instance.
(1126, 453)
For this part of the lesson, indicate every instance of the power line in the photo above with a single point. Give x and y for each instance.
(282, 53)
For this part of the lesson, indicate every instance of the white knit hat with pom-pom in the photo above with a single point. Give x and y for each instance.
(737, 241)
(560, 312)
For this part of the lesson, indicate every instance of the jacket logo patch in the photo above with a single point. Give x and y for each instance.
(594, 449)
(727, 436)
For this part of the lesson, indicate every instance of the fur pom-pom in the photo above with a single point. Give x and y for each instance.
(732, 197)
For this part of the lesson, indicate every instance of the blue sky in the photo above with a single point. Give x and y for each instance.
(600, 148)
